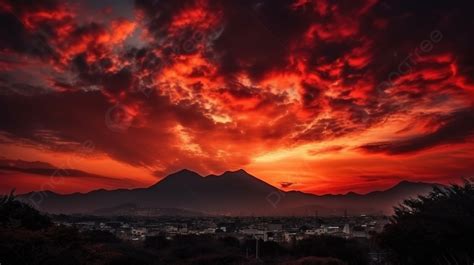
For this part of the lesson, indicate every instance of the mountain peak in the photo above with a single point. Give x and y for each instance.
(406, 183)
(187, 171)
(351, 193)
(183, 173)
(181, 176)
(239, 173)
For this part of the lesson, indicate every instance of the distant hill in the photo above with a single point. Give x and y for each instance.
(233, 193)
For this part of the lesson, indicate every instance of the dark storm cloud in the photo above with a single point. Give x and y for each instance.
(15, 37)
(311, 96)
(160, 13)
(258, 35)
(63, 114)
(51, 172)
(327, 45)
(457, 127)
(38, 168)
(409, 24)
(62, 121)
(17, 16)
(119, 81)
(249, 44)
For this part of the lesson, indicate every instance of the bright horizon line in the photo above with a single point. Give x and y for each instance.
(242, 169)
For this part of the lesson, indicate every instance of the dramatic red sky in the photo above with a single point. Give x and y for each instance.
(322, 96)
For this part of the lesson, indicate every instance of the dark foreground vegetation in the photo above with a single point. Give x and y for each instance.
(433, 229)
(436, 229)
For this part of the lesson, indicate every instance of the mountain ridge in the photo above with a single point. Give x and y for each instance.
(231, 193)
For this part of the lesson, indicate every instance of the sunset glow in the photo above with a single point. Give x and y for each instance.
(316, 96)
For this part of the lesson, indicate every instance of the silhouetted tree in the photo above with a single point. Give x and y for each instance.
(15, 214)
(433, 229)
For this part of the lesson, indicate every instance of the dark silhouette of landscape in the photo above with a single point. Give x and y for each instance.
(234, 193)
(432, 229)
(236, 132)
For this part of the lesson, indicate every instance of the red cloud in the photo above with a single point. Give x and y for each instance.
(218, 85)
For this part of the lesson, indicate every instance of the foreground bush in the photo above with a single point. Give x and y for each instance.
(433, 229)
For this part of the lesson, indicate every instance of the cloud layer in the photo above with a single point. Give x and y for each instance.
(217, 85)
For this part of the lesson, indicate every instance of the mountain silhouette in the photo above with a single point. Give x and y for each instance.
(231, 193)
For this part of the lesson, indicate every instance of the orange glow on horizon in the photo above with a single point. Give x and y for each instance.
(317, 97)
